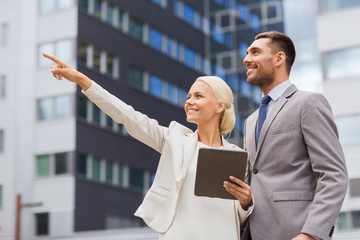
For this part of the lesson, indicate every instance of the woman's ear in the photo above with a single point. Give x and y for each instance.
(220, 107)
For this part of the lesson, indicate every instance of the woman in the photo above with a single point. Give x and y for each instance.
(170, 206)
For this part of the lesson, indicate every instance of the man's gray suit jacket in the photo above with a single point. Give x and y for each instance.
(298, 173)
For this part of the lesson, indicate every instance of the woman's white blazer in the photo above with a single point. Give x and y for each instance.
(176, 143)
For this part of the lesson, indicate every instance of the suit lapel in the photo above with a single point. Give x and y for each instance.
(189, 148)
(272, 115)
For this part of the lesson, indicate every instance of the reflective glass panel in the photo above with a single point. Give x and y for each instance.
(343, 63)
(156, 86)
(62, 106)
(45, 109)
(43, 165)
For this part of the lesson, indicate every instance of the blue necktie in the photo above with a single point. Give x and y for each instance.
(262, 115)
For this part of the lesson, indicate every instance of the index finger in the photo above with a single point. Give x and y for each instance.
(53, 58)
(238, 182)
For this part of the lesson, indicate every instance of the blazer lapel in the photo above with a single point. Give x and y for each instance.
(189, 148)
(273, 113)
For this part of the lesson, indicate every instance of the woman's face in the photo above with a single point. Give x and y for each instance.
(202, 107)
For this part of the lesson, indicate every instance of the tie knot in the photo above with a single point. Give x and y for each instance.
(265, 100)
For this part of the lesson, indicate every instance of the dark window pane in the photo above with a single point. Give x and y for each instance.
(109, 172)
(82, 107)
(355, 187)
(61, 163)
(96, 168)
(136, 28)
(84, 4)
(96, 114)
(355, 219)
(43, 165)
(136, 77)
(82, 52)
(81, 164)
(42, 224)
(97, 58)
(110, 64)
(137, 178)
(97, 8)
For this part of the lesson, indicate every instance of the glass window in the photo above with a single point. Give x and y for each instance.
(61, 163)
(109, 122)
(243, 12)
(63, 4)
(120, 19)
(42, 224)
(255, 22)
(349, 129)
(190, 58)
(82, 107)
(156, 39)
(343, 63)
(177, 8)
(136, 77)
(120, 175)
(169, 93)
(62, 106)
(97, 8)
(355, 187)
(45, 109)
(47, 6)
(84, 4)
(158, 2)
(82, 52)
(355, 219)
(2, 139)
(136, 28)
(110, 61)
(96, 117)
(96, 168)
(136, 178)
(156, 86)
(333, 5)
(110, 14)
(189, 15)
(43, 165)
(81, 166)
(2, 87)
(109, 172)
(342, 221)
(97, 58)
(63, 49)
(46, 48)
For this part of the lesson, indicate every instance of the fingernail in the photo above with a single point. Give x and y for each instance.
(231, 177)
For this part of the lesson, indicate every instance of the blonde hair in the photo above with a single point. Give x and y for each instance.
(223, 94)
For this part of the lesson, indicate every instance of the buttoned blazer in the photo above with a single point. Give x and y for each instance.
(298, 173)
(176, 144)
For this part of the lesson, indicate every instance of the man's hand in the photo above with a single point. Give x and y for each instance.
(303, 236)
(240, 190)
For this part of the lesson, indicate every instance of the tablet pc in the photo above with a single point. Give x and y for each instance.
(216, 166)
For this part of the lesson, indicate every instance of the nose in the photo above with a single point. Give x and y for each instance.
(246, 59)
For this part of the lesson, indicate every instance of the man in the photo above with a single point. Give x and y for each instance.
(297, 169)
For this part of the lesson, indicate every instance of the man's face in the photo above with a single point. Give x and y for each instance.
(259, 63)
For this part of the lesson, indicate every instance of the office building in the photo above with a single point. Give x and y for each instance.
(65, 167)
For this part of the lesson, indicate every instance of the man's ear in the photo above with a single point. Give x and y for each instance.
(280, 58)
(220, 107)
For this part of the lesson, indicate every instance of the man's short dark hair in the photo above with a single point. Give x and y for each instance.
(281, 42)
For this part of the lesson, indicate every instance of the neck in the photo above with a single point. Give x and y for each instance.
(210, 136)
(278, 80)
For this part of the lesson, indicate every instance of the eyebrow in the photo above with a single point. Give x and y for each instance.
(252, 49)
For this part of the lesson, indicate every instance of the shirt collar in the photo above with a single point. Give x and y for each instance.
(277, 91)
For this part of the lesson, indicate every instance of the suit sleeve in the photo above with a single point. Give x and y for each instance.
(138, 125)
(328, 164)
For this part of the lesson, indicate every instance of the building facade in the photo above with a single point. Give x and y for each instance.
(72, 168)
(339, 44)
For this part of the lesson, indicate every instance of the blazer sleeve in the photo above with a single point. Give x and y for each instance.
(328, 164)
(138, 125)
